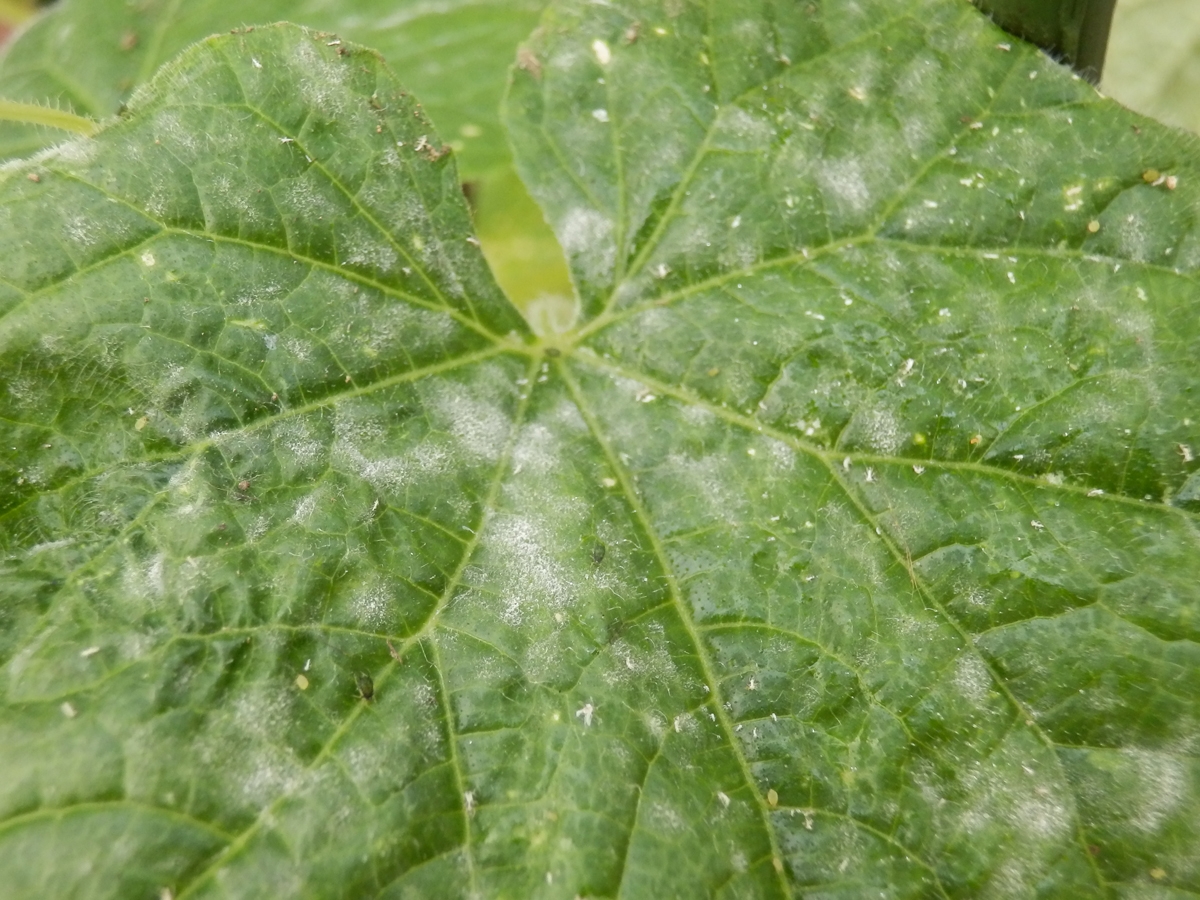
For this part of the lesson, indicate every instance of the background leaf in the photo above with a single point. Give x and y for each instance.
(846, 544)
(89, 56)
(1154, 60)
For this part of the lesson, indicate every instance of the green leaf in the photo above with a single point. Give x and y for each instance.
(845, 545)
(1154, 60)
(453, 54)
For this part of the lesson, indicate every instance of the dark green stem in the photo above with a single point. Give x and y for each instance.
(1075, 31)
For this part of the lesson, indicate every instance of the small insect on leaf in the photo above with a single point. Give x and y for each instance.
(598, 552)
(366, 687)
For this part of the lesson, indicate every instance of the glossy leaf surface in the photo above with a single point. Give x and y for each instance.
(846, 544)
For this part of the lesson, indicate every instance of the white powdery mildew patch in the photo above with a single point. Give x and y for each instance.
(1133, 237)
(397, 325)
(481, 428)
(972, 678)
(741, 128)
(880, 430)
(244, 747)
(390, 473)
(523, 556)
(367, 249)
(146, 583)
(306, 506)
(640, 665)
(664, 818)
(844, 183)
(257, 295)
(82, 232)
(303, 445)
(538, 451)
(782, 457)
(322, 81)
(709, 485)
(587, 238)
(1165, 784)
(373, 602)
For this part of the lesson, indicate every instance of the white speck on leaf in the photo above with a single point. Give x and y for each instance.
(600, 115)
(603, 54)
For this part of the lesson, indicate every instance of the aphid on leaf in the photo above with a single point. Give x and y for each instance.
(366, 687)
(598, 552)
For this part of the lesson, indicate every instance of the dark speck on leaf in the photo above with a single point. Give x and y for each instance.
(598, 551)
(553, 352)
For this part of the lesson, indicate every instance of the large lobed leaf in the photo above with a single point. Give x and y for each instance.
(846, 545)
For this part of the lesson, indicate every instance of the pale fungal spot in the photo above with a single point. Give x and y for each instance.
(1095, 492)
(609, 482)
(870, 475)
(68, 710)
(257, 64)
(737, 221)
(585, 713)
(603, 54)
(469, 803)
(90, 651)
(857, 93)
(661, 271)
(724, 798)
(1005, 47)
(148, 259)
(302, 682)
(1186, 452)
(1036, 524)
(1012, 278)
(1093, 226)
(772, 798)
(846, 464)
(600, 115)
(140, 423)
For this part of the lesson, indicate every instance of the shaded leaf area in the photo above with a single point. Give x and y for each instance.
(757, 584)
(89, 56)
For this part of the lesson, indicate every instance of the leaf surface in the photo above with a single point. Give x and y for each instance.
(1154, 60)
(89, 56)
(846, 544)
